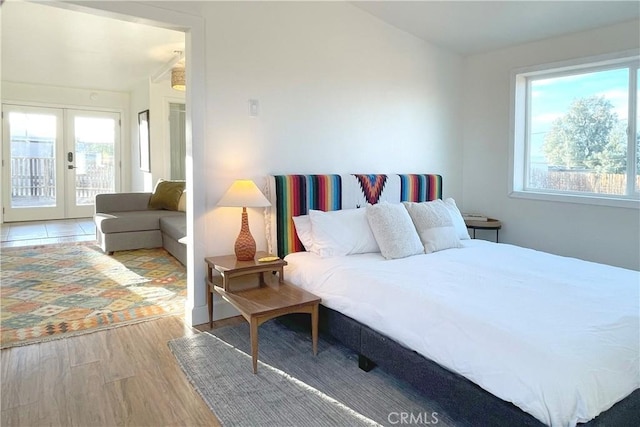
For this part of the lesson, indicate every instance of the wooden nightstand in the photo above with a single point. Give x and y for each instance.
(271, 298)
(489, 224)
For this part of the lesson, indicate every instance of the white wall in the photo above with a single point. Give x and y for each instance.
(140, 181)
(339, 92)
(154, 97)
(597, 233)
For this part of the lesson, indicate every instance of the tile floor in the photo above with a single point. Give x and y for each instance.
(14, 234)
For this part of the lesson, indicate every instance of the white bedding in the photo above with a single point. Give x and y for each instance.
(558, 337)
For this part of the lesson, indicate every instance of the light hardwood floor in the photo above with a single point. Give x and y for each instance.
(125, 376)
(31, 233)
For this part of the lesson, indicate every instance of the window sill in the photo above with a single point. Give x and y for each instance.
(580, 199)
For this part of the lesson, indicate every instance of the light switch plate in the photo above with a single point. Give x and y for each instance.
(254, 107)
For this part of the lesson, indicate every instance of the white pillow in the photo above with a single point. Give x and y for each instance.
(394, 231)
(456, 217)
(182, 203)
(344, 232)
(303, 230)
(434, 225)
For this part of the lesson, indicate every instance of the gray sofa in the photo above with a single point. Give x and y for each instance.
(124, 221)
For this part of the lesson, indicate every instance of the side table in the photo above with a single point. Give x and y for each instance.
(270, 299)
(489, 224)
(229, 267)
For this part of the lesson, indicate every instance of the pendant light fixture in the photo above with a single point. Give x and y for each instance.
(178, 81)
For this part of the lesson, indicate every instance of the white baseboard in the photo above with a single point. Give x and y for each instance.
(200, 314)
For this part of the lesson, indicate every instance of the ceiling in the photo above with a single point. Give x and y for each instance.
(49, 45)
(471, 27)
(59, 47)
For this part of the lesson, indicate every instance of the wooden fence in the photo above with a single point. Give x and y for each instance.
(35, 177)
(580, 181)
(96, 180)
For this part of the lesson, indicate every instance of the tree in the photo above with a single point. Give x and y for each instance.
(589, 136)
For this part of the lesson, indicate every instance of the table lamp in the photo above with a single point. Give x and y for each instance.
(244, 194)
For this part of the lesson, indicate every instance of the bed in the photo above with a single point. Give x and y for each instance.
(490, 331)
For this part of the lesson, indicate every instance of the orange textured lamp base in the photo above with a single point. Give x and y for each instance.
(245, 247)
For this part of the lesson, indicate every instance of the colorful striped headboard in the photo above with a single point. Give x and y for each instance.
(294, 195)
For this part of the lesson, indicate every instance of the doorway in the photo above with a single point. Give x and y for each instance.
(178, 139)
(56, 160)
(194, 27)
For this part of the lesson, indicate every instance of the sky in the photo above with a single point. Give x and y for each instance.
(551, 98)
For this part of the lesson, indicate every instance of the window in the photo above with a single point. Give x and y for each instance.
(576, 134)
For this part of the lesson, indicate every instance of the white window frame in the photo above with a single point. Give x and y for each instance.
(518, 153)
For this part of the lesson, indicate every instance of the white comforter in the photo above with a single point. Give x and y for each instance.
(558, 337)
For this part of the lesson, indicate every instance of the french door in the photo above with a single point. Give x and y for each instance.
(56, 160)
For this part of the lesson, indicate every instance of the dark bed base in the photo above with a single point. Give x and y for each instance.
(462, 399)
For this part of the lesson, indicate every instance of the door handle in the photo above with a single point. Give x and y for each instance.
(70, 157)
(71, 167)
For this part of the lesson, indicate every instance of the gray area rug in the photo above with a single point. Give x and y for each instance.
(293, 387)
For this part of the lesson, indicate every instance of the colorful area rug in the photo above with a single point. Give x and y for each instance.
(53, 292)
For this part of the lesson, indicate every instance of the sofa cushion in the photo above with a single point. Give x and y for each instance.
(121, 222)
(174, 226)
(120, 202)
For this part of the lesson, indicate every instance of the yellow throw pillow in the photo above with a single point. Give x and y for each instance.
(166, 195)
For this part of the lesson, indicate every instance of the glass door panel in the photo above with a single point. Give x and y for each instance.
(32, 173)
(90, 159)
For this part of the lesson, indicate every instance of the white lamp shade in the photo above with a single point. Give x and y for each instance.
(244, 193)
